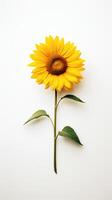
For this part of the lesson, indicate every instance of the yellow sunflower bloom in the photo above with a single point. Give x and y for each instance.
(57, 64)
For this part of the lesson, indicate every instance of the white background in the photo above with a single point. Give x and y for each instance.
(26, 152)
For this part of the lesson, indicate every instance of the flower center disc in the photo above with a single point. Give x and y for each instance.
(57, 66)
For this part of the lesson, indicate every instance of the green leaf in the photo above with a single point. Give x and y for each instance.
(36, 115)
(69, 132)
(73, 97)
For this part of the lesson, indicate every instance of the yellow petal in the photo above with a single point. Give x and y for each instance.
(67, 85)
(74, 56)
(39, 69)
(60, 46)
(71, 78)
(43, 49)
(74, 71)
(51, 44)
(32, 64)
(40, 78)
(76, 63)
(60, 83)
(47, 81)
(54, 82)
(68, 49)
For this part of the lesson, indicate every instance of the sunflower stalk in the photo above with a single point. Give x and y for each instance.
(55, 133)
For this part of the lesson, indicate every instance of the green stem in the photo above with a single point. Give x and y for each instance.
(58, 103)
(55, 139)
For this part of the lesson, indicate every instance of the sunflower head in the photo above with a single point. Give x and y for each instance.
(57, 64)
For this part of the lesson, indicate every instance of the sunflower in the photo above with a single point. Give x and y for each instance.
(57, 64)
